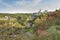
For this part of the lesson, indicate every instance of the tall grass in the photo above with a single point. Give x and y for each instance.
(53, 33)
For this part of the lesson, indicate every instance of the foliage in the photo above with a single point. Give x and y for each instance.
(46, 24)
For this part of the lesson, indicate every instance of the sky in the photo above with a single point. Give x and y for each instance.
(23, 6)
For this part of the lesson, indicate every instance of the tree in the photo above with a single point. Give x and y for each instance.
(20, 20)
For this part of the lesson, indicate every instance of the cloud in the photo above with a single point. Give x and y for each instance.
(29, 5)
(50, 5)
(37, 1)
(22, 5)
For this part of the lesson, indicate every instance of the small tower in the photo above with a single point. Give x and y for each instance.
(39, 12)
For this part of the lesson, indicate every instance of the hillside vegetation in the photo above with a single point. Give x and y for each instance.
(46, 26)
